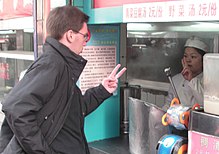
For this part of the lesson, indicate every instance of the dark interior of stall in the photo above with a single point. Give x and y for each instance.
(161, 45)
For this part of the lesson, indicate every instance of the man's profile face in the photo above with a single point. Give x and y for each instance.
(81, 38)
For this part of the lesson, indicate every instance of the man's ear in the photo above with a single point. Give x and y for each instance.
(70, 36)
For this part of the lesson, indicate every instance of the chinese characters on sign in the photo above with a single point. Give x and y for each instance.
(15, 8)
(200, 143)
(4, 71)
(171, 11)
(101, 61)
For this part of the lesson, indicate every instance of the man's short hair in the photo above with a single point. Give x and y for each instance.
(62, 19)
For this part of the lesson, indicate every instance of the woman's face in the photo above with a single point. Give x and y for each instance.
(193, 60)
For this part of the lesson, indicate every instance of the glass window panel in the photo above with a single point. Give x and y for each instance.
(152, 47)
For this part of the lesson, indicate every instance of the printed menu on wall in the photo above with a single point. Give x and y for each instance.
(100, 53)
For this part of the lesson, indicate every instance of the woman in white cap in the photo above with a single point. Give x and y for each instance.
(189, 83)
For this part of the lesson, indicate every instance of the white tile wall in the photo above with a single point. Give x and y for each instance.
(153, 97)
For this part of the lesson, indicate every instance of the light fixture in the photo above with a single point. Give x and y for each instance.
(206, 25)
(138, 26)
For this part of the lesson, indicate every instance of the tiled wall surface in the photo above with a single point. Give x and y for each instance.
(156, 97)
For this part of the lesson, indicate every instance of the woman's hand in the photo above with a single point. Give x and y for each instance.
(186, 72)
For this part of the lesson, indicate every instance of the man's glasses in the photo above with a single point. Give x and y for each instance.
(86, 36)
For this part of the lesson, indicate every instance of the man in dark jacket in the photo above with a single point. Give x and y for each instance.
(44, 112)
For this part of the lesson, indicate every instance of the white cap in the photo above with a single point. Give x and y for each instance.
(196, 42)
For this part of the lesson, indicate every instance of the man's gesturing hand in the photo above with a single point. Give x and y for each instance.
(111, 82)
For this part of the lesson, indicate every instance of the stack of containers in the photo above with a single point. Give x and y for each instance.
(177, 118)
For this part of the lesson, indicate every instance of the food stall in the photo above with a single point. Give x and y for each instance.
(152, 38)
(146, 36)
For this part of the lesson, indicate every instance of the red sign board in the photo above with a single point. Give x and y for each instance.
(113, 3)
(4, 71)
(200, 143)
(15, 8)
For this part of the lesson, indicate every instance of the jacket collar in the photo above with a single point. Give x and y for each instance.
(76, 62)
